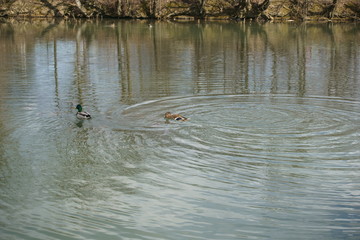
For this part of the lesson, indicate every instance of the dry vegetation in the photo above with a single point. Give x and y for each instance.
(199, 9)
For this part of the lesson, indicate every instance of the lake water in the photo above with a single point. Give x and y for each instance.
(271, 150)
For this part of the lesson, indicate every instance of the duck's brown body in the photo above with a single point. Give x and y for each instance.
(176, 117)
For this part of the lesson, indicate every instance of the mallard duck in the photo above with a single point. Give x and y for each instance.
(80, 114)
(176, 117)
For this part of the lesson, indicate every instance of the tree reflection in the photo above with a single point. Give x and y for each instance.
(122, 48)
(167, 59)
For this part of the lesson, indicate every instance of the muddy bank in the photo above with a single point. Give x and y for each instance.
(264, 10)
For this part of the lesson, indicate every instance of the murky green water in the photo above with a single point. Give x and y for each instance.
(271, 151)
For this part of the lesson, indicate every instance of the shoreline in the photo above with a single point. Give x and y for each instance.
(209, 10)
(179, 19)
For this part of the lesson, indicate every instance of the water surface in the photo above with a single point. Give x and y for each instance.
(271, 150)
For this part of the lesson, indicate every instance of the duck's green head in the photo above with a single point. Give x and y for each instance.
(79, 107)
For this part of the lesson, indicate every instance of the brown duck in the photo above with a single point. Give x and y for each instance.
(176, 117)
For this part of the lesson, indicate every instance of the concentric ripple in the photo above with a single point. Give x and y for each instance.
(258, 160)
(271, 128)
(277, 124)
